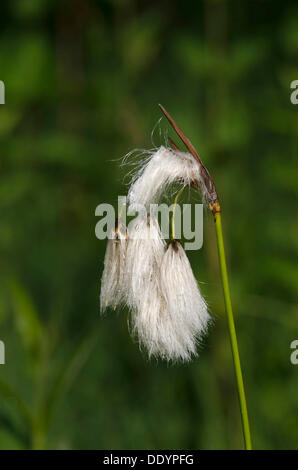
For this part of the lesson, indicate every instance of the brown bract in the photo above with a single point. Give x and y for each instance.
(212, 197)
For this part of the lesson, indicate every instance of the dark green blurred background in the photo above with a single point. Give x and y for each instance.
(83, 79)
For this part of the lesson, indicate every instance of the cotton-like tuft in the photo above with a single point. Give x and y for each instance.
(184, 301)
(113, 281)
(161, 169)
(144, 253)
(168, 313)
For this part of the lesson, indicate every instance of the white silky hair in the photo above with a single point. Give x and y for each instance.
(162, 168)
(186, 306)
(113, 292)
(151, 319)
(156, 328)
(168, 313)
(144, 252)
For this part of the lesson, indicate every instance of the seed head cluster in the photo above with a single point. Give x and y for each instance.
(168, 313)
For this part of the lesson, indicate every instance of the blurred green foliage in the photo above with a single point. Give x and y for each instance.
(83, 79)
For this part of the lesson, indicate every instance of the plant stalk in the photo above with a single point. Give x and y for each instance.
(232, 331)
(174, 211)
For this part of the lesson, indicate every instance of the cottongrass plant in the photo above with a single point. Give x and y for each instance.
(169, 315)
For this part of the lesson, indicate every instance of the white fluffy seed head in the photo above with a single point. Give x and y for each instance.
(185, 304)
(162, 168)
(168, 312)
(113, 291)
(144, 252)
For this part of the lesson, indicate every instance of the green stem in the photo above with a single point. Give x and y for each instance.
(232, 331)
(174, 210)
